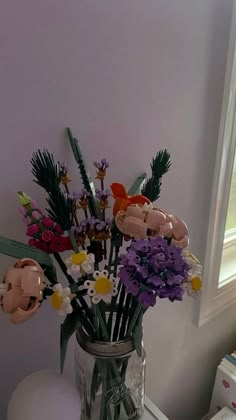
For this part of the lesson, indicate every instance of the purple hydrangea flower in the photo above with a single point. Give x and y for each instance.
(147, 298)
(159, 269)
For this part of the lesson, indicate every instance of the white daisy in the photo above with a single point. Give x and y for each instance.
(81, 262)
(102, 287)
(61, 300)
(193, 284)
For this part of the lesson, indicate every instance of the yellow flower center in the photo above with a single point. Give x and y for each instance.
(56, 300)
(196, 283)
(103, 285)
(78, 258)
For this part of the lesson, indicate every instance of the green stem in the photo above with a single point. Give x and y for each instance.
(119, 313)
(73, 241)
(135, 318)
(63, 267)
(126, 311)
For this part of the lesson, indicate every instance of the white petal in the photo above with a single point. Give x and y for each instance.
(69, 271)
(106, 298)
(75, 268)
(96, 274)
(66, 301)
(96, 299)
(66, 291)
(87, 267)
(68, 261)
(58, 288)
(69, 309)
(105, 273)
(91, 258)
(88, 283)
(61, 312)
(114, 291)
(91, 292)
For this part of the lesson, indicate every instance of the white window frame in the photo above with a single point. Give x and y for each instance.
(215, 298)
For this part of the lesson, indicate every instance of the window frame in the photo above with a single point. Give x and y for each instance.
(217, 297)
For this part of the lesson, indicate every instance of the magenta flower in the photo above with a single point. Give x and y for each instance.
(47, 236)
(32, 230)
(47, 222)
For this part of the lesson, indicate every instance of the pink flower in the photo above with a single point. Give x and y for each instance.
(21, 210)
(36, 214)
(47, 236)
(58, 229)
(47, 222)
(32, 230)
(32, 242)
(67, 243)
(25, 221)
(58, 244)
(41, 245)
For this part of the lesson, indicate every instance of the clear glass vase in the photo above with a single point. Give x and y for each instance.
(110, 377)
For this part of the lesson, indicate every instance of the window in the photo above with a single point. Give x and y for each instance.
(220, 260)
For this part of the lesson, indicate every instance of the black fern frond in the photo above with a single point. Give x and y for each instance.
(62, 209)
(87, 182)
(45, 170)
(160, 165)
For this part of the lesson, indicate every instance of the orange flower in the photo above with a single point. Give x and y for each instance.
(123, 200)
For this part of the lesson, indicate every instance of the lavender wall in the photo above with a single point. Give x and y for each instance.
(129, 77)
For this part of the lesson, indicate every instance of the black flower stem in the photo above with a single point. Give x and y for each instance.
(127, 307)
(86, 213)
(63, 267)
(75, 215)
(73, 241)
(119, 313)
(114, 298)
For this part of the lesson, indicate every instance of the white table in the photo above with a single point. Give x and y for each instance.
(47, 386)
(152, 412)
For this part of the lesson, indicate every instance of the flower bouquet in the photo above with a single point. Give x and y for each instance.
(115, 271)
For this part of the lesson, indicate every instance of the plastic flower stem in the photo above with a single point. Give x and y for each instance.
(96, 324)
(73, 241)
(75, 215)
(134, 319)
(102, 323)
(63, 267)
(119, 313)
(125, 317)
(110, 256)
(114, 298)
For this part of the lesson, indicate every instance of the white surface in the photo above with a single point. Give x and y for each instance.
(44, 395)
(225, 414)
(129, 77)
(48, 395)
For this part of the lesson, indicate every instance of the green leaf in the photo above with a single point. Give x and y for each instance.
(19, 250)
(138, 335)
(45, 170)
(68, 328)
(86, 179)
(159, 166)
(137, 185)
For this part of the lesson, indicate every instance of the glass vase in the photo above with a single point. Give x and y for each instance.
(110, 377)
